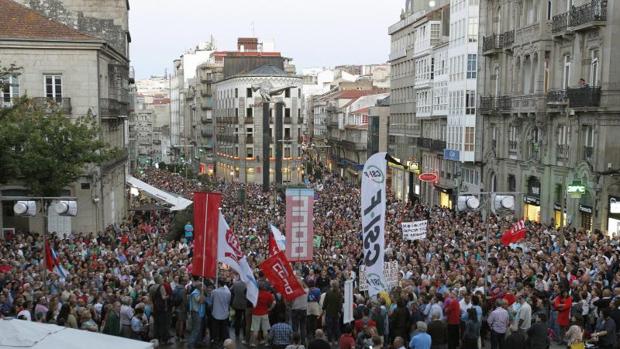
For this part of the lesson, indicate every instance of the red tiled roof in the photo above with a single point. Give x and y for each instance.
(19, 22)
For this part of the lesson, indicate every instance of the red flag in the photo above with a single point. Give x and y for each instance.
(49, 259)
(514, 234)
(206, 218)
(273, 246)
(278, 271)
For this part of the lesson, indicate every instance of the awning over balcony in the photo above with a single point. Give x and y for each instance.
(178, 203)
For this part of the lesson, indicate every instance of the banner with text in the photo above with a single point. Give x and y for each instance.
(299, 228)
(414, 230)
(279, 272)
(390, 271)
(373, 221)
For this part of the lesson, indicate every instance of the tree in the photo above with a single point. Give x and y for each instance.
(45, 150)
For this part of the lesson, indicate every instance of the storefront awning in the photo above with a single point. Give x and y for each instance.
(178, 203)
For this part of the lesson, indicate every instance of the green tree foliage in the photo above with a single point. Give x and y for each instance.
(45, 150)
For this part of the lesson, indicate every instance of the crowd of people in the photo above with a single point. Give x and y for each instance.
(131, 280)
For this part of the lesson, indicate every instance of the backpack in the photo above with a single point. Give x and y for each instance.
(177, 296)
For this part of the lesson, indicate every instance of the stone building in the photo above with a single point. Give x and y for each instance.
(83, 71)
(550, 98)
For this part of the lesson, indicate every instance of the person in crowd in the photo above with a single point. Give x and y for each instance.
(499, 323)
(420, 339)
(574, 335)
(438, 330)
(260, 314)
(280, 334)
(453, 315)
(296, 342)
(220, 312)
(112, 322)
(299, 312)
(538, 334)
(399, 343)
(319, 341)
(562, 304)
(471, 332)
(139, 324)
(239, 305)
(346, 340)
(332, 306)
(197, 310)
(605, 331)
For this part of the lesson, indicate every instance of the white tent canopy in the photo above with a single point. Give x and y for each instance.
(28, 334)
(178, 203)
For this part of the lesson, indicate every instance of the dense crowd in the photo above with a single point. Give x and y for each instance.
(560, 285)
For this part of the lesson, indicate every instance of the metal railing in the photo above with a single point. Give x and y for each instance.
(559, 23)
(595, 11)
(504, 103)
(112, 108)
(51, 105)
(491, 42)
(562, 151)
(438, 145)
(584, 97)
(556, 96)
(507, 39)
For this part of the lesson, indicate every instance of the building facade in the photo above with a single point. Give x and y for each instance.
(82, 72)
(550, 101)
(239, 122)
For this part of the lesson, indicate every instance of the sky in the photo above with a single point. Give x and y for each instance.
(315, 33)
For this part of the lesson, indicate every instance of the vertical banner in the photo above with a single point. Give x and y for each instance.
(347, 306)
(373, 221)
(299, 228)
(206, 219)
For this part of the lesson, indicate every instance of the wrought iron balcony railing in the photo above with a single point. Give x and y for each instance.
(595, 11)
(584, 97)
(51, 105)
(559, 23)
(556, 96)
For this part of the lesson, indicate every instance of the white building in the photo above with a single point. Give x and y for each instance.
(238, 114)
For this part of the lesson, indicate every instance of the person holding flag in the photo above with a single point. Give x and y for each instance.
(52, 262)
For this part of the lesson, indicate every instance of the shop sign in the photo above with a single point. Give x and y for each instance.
(531, 200)
(575, 189)
(585, 209)
(428, 177)
(452, 155)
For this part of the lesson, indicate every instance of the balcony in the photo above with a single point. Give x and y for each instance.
(562, 151)
(300, 121)
(584, 97)
(491, 45)
(206, 93)
(205, 119)
(438, 145)
(206, 105)
(504, 103)
(556, 97)
(112, 108)
(425, 143)
(487, 104)
(248, 121)
(207, 132)
(559, 24)
(588, 153)
(352, 145)
(288, 120)
(249, 139)
(50, 105)
(507, 39)
(588, 15)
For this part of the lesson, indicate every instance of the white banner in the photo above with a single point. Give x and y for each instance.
(347, 307)
(373, 221)
(229, 252)
(414, 230)
(390, 272)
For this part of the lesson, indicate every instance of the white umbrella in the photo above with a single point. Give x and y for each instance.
(28, 334)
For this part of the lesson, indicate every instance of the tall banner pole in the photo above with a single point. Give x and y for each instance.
(373, 221)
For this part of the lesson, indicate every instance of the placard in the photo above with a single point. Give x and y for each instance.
(390, 271)
(414, 230)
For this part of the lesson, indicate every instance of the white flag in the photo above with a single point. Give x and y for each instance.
(229, 252)
(373, 221)
(279, 237)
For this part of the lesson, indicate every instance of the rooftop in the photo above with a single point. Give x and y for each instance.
(19, 22)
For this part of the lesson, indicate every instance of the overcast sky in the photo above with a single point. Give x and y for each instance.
(315, 33)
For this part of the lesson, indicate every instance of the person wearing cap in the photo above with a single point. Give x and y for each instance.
(420, 339)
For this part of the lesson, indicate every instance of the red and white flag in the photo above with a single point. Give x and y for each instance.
(229, 252)
(515, 234)
(277, 241)
(206, 221)
(278, 271)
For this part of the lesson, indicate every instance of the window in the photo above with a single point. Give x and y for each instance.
(249, 152)
(513, 139)
(298, 93)
(594, 68)
(236, 92)
(287, 93)
(236, 112)
(472, 30)
(248, 92)
(471, 66)
(53, 87)
(549, 5)
(469, 138)
(563, 135)
(588, 136)
(10, 90)
(249, 112)
(85, 186)
(566, 75)
(287, 151)
(512, 183)
(287, 112)
(470, 103)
